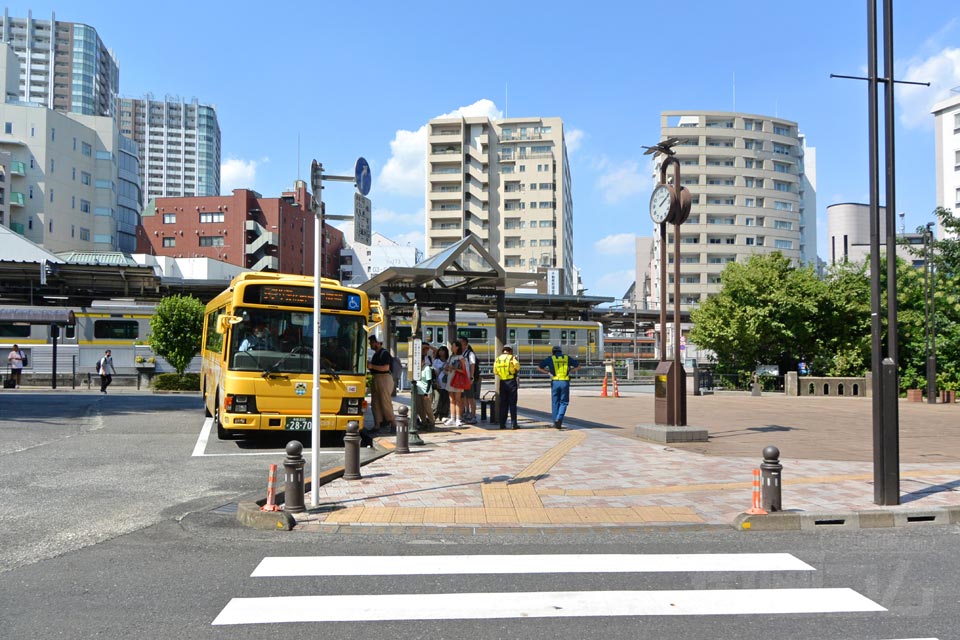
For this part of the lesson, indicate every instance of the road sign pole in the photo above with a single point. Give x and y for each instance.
(316, 179)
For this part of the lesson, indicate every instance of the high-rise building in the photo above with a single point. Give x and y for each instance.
(179, 145)
(947, 132)
(753, 182)
(64, 66)
(71, 180)
(506, 182)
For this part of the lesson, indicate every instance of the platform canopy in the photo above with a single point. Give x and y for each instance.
(37, 315)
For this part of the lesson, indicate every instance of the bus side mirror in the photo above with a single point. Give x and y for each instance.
(224, 322)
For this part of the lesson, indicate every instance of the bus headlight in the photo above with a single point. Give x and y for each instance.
(240, 403)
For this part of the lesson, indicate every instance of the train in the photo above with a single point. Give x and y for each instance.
(123, 326)
(532, 339)
(640, 347)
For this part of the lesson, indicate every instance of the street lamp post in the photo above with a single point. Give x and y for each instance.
(929, 286)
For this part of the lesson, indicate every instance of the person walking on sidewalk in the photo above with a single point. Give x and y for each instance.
(381, 389)
(106, 370)
(507, 368)
(559, 367)
(15, 360)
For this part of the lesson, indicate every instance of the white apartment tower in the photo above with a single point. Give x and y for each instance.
(947, 132)
(753, 182)
(506, 182)
(179, 145)
(64, 66)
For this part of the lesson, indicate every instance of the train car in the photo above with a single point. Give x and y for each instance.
(624, 347)
(122, 326)
(531, 338)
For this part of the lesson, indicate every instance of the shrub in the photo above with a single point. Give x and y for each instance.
(173, 382)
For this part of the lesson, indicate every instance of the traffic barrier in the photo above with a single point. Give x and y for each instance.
(756, 509)
(271, 491)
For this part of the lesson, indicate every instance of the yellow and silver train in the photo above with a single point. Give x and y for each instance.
(532, 339)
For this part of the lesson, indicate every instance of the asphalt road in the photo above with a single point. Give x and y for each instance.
(81, 468)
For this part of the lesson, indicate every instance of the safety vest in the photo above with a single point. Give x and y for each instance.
(560, 366)
(505, 366)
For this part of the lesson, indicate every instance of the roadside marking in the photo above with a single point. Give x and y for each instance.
(199, 449)
(545, 604)
(201, 446)
(505, 564)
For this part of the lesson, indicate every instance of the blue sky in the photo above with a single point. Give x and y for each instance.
(351, 79)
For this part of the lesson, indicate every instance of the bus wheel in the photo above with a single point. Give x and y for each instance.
(222, 433)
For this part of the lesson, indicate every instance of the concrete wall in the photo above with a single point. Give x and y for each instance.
(795, 385)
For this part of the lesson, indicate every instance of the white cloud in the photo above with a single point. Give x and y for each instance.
(617, 244)
(574, 139)
(238, 174)
(942, 71)
(623, 181)
(412, 238)
(380, 216)
(613, 284)
(405, 172)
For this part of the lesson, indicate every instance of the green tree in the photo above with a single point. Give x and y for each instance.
(176, 330)
(768, 312)
(844, 323)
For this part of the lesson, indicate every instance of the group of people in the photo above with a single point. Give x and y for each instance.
(449, 386)
(17, 359)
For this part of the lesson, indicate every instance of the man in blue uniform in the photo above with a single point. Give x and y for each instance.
(559, 367)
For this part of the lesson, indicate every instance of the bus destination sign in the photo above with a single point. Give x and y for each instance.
(291, 296)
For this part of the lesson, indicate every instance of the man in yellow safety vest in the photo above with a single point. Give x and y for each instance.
(507, 368)
(559, 367)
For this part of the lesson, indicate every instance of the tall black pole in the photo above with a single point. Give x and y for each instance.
(931, 319)
(876, 326)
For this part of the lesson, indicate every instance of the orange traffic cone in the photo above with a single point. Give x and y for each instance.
(756, 509)
(616, 388)
(603, 392)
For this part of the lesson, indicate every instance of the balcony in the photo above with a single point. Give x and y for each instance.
(17, 199)
(18, 168)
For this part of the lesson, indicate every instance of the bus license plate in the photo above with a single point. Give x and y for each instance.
(298, 424)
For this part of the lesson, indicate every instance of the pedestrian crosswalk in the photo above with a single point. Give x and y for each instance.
(536, 604)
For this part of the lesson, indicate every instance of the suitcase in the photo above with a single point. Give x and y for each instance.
(9, 383)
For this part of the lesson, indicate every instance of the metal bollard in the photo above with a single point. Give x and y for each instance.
(293, 474)
(770, 470)
(351, 451)
(403, 430)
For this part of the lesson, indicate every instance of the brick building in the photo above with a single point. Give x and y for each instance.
(245, 229)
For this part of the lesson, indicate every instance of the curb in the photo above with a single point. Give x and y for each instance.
(250, 515)
(872, 519)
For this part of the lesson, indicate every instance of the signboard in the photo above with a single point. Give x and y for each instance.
(292, 296)
(415, 360)
(361, 174)
(361, 219)
(553, 282)
(683, 343)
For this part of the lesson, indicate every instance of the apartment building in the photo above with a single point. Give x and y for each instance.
(70, 180)
(506, 182)
(244, 229)
(753, 182)
(946, 115)
(360, 262)
(64, 66)
(179, 145)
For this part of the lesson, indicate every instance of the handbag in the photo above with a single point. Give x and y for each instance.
(460, 378)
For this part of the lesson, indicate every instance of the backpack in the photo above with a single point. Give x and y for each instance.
(396, 368)
(23, 359)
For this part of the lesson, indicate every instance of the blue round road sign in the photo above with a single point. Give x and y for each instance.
(362, 176)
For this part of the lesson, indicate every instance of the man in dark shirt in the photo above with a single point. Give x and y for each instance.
(381, 386)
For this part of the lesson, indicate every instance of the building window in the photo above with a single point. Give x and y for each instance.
(85, 178)
(50, 226)
(169, 218)
(8, 127)
(782, 206)
(86, 149)
(211, 217)
(211, 241)
(85, 206)
(781, 186)
(30, 192)
(783, 244)
(85, 234)
(169, 242)
(783, 224)
(750, 241)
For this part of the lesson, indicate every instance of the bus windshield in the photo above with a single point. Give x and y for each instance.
(278, 341)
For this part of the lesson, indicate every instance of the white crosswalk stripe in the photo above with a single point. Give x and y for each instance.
(536, 604)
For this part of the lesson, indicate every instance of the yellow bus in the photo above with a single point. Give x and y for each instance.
(258, 347)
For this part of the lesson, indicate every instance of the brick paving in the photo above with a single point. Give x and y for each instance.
(595, 472)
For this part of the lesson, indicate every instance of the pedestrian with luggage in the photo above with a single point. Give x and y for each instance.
(106, 370)
(15, 361)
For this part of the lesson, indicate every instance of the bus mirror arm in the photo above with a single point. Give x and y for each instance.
(224, 322)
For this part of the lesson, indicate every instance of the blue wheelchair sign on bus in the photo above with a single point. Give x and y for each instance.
(353, 302)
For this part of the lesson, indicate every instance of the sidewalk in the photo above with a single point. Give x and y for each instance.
(596, 473)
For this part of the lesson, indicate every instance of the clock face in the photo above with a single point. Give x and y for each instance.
(660, 204)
